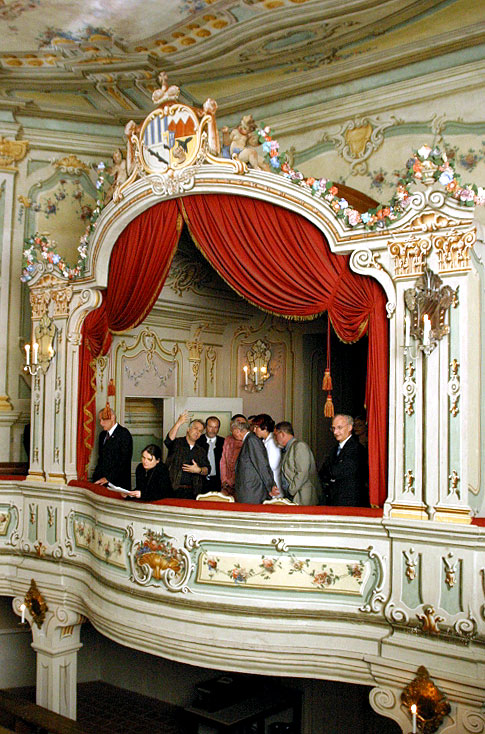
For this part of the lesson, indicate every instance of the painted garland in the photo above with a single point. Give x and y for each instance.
(39, 249)
(427, 166)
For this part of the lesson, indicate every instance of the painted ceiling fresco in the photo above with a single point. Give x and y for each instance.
(101, 59)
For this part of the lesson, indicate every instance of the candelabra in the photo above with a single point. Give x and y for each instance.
(39, 354)
(256, 372)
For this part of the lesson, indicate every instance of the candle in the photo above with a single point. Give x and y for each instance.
(35, 352)
(263, 370)
(22, 609)
(245, 368)
(407, 329)
(27, 354)
(414, 711)
(51, 352)
(255, 370)
(426, 330)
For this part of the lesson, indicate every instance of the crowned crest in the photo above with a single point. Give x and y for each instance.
(173, 137)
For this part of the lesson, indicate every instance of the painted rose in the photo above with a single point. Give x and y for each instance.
(343, 203)
(333, 190)
(239, 575)
(335, 205)
(268, 564)
(354, 217)
(467, 194)
(322, 579)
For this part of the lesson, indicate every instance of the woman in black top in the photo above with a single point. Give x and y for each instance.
(152, 479)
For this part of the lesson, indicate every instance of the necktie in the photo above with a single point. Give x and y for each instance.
(284, 481)
(106, 438)
(339, 450)
(211, 457)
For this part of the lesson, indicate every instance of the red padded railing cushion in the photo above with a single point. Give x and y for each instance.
(239, 507)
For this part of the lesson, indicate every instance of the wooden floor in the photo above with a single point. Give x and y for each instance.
(104, 708)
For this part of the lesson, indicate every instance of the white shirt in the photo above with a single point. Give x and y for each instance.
(274, 458)
(342, 443)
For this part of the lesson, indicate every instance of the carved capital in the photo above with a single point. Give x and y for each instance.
(61, 298)
(409, 255)
(39, 300)
(454, 250)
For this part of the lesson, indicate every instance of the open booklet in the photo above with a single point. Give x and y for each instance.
(114, 488)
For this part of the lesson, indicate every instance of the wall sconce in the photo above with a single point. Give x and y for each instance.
(256, 372)
(427, 304)
(426, 705)
(35, 603)
(39, 354)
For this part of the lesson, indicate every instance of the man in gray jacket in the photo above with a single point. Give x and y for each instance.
(299, 477)
(254, 477)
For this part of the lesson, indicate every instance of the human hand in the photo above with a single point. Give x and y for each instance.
(192, 468)
(275, 492)
(103, 480)
(183, 417)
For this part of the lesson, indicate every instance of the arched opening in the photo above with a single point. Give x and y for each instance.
(274, 258)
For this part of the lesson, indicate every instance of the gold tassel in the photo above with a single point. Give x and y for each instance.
(106, 412)
(327, 380)
(111, 387)
(328, 411)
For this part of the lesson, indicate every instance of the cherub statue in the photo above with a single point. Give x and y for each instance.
(244, 141)
(131, 128)
(165, 93)
(118, 171)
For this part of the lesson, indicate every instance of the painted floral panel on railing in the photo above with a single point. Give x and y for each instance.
(289, 572)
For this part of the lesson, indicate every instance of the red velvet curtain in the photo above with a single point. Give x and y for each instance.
(281, 262)
(139, 264)
(272, 257)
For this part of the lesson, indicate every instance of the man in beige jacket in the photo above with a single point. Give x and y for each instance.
(299, 477)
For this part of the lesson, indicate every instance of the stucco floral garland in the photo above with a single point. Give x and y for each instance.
(427, 165)
(40, 249)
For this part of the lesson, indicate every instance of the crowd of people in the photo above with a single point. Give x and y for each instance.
(258, 461)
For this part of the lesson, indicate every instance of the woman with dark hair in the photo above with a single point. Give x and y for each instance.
(263, 428)
(152, 478)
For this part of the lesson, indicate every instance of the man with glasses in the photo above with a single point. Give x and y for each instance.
(344, 474)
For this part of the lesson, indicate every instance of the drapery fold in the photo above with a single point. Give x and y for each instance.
(281, 262)
(271, 256)
(139, 263)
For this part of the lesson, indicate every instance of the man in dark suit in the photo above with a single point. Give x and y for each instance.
(344, 474)
(115, 449)
(254, 477)
(212, 444)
